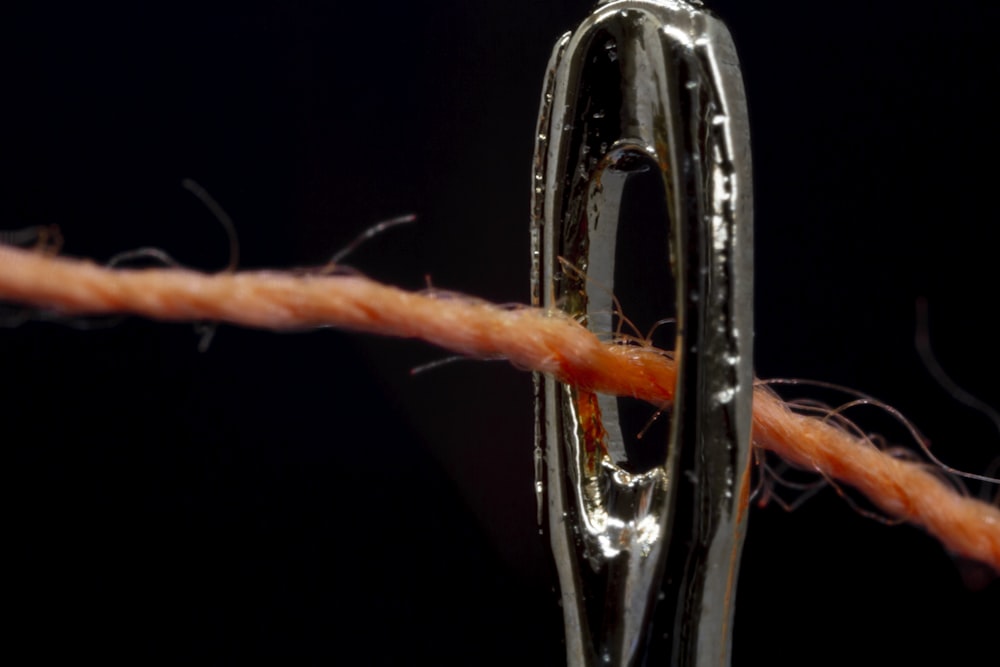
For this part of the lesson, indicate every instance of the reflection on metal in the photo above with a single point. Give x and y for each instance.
(647, 554)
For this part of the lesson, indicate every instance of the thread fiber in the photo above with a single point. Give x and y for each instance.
(532, 339)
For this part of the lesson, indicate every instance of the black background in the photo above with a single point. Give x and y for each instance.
(301, 498)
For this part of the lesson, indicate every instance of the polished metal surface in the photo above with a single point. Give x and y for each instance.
(645, 99)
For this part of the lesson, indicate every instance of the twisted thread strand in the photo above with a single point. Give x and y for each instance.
(529, 338)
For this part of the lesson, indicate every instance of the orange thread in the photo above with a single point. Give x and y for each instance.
(550, 343)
